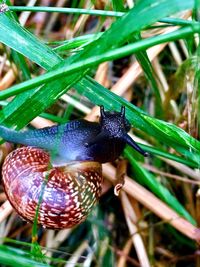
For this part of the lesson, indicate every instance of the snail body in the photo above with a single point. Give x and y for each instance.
(59, 169)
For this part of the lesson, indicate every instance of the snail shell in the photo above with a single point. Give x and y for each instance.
(64, 195)
(67, 193)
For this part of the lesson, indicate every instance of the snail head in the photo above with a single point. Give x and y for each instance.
(114, 126)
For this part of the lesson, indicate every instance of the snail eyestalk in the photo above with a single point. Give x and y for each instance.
(134, 145)
(102, 112)
(114, 126)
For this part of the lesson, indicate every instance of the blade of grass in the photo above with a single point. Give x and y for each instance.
(165, 132)
(76, 42)
(17, 34)
(13, 35)
(118, 5)
(66, 67)
(145, 63)
(16, 257)
(174, 21)
(164, 154)
(21, 64)
(66, 10)
(157, 206)
(149, 180)
(101, 45)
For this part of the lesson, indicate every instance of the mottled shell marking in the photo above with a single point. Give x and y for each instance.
(68, 196)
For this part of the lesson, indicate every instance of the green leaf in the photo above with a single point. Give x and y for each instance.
(167, 133)
(75, 42)
(17, 257)
(30, 104)
(176, 137)
(118, 5)
(83, 65)
(149, 180)
(145, 63)
(21, 64)
(18, 38)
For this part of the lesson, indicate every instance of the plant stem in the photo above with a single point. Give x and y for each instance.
(94, 61)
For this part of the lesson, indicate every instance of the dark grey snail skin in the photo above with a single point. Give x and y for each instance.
(80, 139)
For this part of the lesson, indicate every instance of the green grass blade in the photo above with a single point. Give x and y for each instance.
(167, 133)
(16, 257)
(21, 64)
(162, 192)
(159, 152)
(67, 67)
(178, 138)
(76, 42)
(118, 5)
(79, 11)
(19, 39)
(145, 63)
(51, 91)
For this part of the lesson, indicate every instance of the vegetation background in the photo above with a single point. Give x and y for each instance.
(60, 60)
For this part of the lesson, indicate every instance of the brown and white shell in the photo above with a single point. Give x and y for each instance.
(63, 195)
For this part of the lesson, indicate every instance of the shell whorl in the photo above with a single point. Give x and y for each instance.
(69, 192)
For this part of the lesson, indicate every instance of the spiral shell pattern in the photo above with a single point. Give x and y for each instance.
(64, 195)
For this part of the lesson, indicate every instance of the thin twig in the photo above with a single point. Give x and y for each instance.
(133, 230)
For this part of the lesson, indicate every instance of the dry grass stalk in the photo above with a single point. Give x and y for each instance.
(77, 254)
(101, 75)
(173, 176)
(161, 76)
(125, 252)
(5, 210)
(3, 63)
(78, 105)
(25, 15)
(54, 240)
(39, 122)
(3, 197)
(133, 230)
(54, 16)
(154, 204)
(82, 19)
(175, 53)
(198, 207)
(194, 174)
(8, 79)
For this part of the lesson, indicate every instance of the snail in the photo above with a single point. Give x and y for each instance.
(59, 170)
